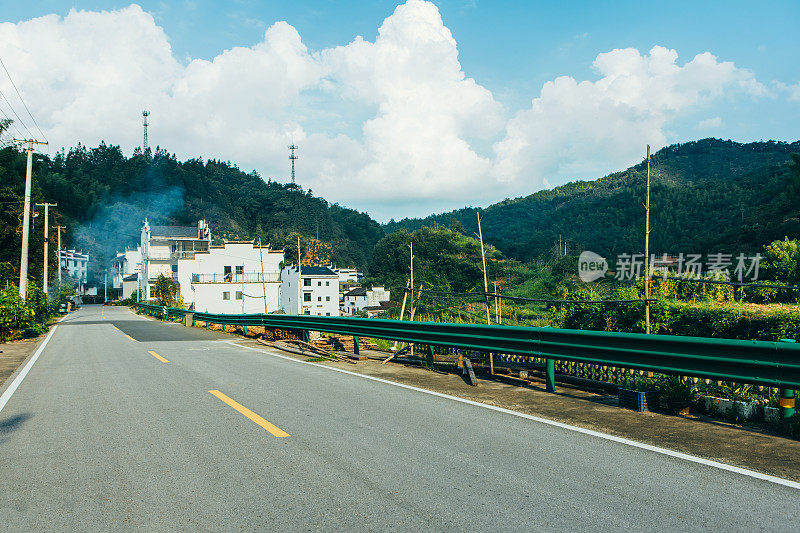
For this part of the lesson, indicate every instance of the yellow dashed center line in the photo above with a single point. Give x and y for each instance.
(154, 354)
(131, 338)
(278, 432)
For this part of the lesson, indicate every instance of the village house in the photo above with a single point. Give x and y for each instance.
(313, 290)
(231, 278)
(125, 266)
(162, 247)
(76, 265)
(361, 299)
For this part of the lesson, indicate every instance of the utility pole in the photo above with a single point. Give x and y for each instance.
(411, 300)
(26, 219)
(485, 278)
(647, 250)
(485, 289)
(263, 281)
(45, 278)
(299, 280)
(59, 228)
(105, 286)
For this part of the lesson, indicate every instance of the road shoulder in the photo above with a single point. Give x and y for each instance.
(15, 355)
(706, 438)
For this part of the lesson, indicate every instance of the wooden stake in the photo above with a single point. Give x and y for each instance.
(402, 312)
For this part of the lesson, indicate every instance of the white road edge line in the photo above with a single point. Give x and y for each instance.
(14, 384)
(621, 440)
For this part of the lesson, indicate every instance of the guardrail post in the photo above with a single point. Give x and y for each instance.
(550, 375)
(787, 401)
(306, 336)
(355, 344)
(245, 329)
(430, 355)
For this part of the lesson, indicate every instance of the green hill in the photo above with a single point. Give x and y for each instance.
(708, 195)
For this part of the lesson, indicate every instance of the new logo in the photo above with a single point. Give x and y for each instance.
(591, 266)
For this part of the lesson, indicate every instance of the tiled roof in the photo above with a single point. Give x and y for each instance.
(317, 271)
(358, 291)
(174, 231)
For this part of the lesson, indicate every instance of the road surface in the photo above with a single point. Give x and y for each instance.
(125, 423)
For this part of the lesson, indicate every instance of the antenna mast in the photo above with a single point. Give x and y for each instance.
(145, 114)
(292, 157)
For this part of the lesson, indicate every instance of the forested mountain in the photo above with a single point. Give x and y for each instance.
(708, 195)
(103, 197)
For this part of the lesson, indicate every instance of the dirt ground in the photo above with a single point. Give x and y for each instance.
(745, 446)
(14, 353)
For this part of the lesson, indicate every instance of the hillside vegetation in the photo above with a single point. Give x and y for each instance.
(104, 196)
(708, 195)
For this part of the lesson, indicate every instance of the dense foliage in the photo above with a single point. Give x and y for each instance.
(24, 318)
(708, 195)
(104, 196)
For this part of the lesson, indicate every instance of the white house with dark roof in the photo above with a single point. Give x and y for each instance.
(162, 246)
(232, 278)
(123, 266)
(354, 301)
(359, 299)
(312, 290)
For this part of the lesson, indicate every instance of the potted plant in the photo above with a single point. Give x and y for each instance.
(639, 395)
(679, 394)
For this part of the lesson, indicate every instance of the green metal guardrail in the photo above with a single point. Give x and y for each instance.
(774, 364)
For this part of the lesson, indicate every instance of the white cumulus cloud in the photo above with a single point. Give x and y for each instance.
(393, 125)
(573, 128)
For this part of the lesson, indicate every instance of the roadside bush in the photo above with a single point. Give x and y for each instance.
(23, 318)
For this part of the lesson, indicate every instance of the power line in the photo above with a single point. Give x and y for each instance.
(23, 101)
(535, 300)
(14, 122)
(734, 283)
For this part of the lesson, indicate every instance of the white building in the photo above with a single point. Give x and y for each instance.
(76, 265)
(130, 285)
(359, 298)
(314, 290)
(347, 274)
(124, 265)
(231, 278)
(162, 246)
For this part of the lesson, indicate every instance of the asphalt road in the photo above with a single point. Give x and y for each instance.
(102, 434)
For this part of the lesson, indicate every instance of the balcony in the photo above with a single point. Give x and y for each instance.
(172, 256)
(246, 277)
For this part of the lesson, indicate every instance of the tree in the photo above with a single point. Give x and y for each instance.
(165, 290)
(781, 261)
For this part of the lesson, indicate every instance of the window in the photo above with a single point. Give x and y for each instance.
(307, 297)
(306, 282)
(238, 295)
(327, 283)
(319, 284)
(195, 278)
(327, 298)
(319, 298)
(327, 314)
(226, 295)
(174, 268)
(240, 269)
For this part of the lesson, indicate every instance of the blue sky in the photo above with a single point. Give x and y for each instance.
(510, 49)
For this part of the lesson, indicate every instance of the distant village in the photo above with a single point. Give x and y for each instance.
(232, 277)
